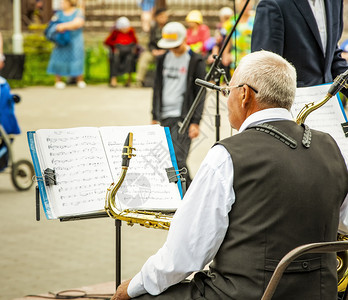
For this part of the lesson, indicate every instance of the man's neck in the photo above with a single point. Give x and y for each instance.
(181, 50)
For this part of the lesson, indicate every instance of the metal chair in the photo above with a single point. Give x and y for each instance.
(293, 254)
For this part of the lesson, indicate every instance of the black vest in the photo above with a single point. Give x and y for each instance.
(285, 197)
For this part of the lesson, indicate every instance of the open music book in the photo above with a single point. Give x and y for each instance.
(86, 160)
(330, 117)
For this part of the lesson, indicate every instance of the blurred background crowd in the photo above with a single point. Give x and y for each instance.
(115, 41)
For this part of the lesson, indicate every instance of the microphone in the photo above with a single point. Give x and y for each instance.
(225, 91)
(339, 83)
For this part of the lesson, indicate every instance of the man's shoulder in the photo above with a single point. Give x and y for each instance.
(234, 138)
(322, 134)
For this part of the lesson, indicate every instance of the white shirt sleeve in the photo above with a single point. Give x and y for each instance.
(197, 229)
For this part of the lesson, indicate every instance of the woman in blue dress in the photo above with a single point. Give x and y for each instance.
(68, 60)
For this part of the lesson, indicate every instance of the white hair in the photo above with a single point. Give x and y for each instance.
(271, 75)
(122, 23)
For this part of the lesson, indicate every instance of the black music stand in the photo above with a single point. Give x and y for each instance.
(50, 179)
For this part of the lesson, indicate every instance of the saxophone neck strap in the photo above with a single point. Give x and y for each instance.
(283, 137)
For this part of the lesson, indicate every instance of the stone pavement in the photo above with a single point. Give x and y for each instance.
(38, 257)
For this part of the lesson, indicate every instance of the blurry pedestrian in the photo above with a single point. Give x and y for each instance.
(8, 119)
(240, 44)
(2, 56)
(123, 49)
(197, 32)
(34, 12)
(214, 44)
(344, 48)
(68, 60)
(149, 55)
(147, 8)
(175, 90)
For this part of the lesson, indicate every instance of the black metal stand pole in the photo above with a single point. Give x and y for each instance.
(37, 203)
(219, 72)
(217, 116)
(118, 224)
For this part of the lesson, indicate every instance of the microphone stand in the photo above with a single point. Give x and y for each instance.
(211, 72)
(217, 116)
(217, 75)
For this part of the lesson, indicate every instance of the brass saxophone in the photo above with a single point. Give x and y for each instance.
(342, 257)
(145, 218)
(342, 265)
(339, 83)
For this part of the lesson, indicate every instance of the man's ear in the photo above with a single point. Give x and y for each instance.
(246, 96)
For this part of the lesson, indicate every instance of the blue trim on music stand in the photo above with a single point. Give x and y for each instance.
(173, 158)
(39, 176)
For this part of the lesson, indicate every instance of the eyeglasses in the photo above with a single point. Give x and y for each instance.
(227, 89)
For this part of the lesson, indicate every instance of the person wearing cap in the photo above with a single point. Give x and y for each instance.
(254, 198)
(175, 90)
(225, 13)
(148, 56)
(197, 32)
(306, 33)
(122, 42)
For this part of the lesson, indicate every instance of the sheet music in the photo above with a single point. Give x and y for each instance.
(86, 160)
(327, 118)
(82, 171)
(146, 185)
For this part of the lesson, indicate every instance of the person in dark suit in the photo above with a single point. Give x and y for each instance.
(306, 33)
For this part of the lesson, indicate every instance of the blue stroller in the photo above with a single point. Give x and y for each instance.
(22, 171)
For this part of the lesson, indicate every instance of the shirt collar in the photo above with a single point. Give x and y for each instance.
(266, 115)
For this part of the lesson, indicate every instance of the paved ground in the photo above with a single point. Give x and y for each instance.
(37, 257)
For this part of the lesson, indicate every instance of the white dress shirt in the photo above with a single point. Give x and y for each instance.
(318, 8)
(200, 224)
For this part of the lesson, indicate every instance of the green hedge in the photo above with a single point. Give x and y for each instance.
(96, 64)
(37, 53)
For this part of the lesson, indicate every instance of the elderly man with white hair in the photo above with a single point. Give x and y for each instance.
(257, 195)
